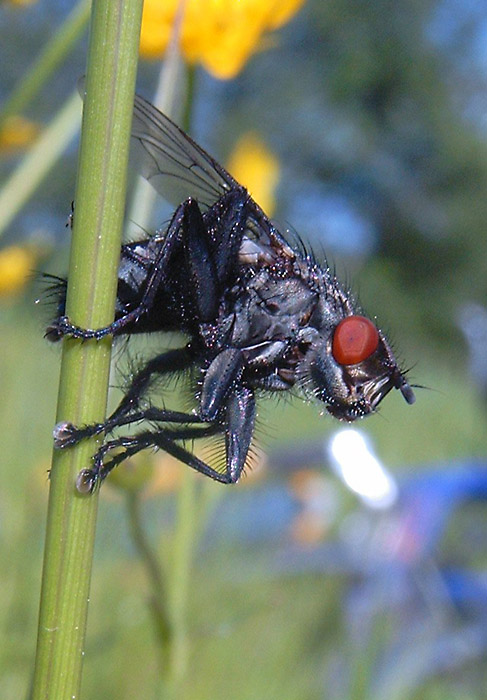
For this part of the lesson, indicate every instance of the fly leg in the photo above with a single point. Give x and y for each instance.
(226, 397)
(235, 418)
(186, 216)
(165, 363)
(239, 430)
(229, 409)
(210, 242)
(67, 435)
(226, 400)
(238, 426)
(165, 439)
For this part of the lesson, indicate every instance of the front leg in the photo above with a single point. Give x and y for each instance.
(157, 275)
(225, 398)
(239, 430)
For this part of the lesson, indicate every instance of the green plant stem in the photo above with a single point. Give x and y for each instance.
(100, 195)
(51, 58)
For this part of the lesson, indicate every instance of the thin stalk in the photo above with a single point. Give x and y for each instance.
(181, 563)
(39, 160)
(100, 195)
(186, 523)
(170, 612)
(169, 94)
(48, 61)
(195, 505)
(158, 596)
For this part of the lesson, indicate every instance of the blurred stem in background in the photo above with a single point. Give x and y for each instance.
(53, 141)
(174, 88)
(95, 254)
(158, 595)
(51, 58)
(169, 594)
(39, 160)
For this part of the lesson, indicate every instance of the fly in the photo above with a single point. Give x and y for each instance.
(259, 315)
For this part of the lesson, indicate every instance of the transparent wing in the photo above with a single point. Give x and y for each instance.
(178, 168)
(172, 162)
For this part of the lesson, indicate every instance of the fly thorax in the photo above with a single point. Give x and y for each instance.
(271, 308)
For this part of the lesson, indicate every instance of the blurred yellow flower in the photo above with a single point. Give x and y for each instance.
(133, 475)
(168, 472)
(22, 2)
(315, 518)
(308, 529)
(167, 476)
(16, 266)
(255, 167)
(219, 34)
(17, 132)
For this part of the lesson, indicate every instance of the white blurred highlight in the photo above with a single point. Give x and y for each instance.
(353, 460)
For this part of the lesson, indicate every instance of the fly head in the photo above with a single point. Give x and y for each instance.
(350, 367)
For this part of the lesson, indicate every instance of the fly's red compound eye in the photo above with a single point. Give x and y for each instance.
(354, 340)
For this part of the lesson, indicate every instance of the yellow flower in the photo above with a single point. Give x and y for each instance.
(16, 266)
(255, 167)
(219, 34)
(17, 132)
